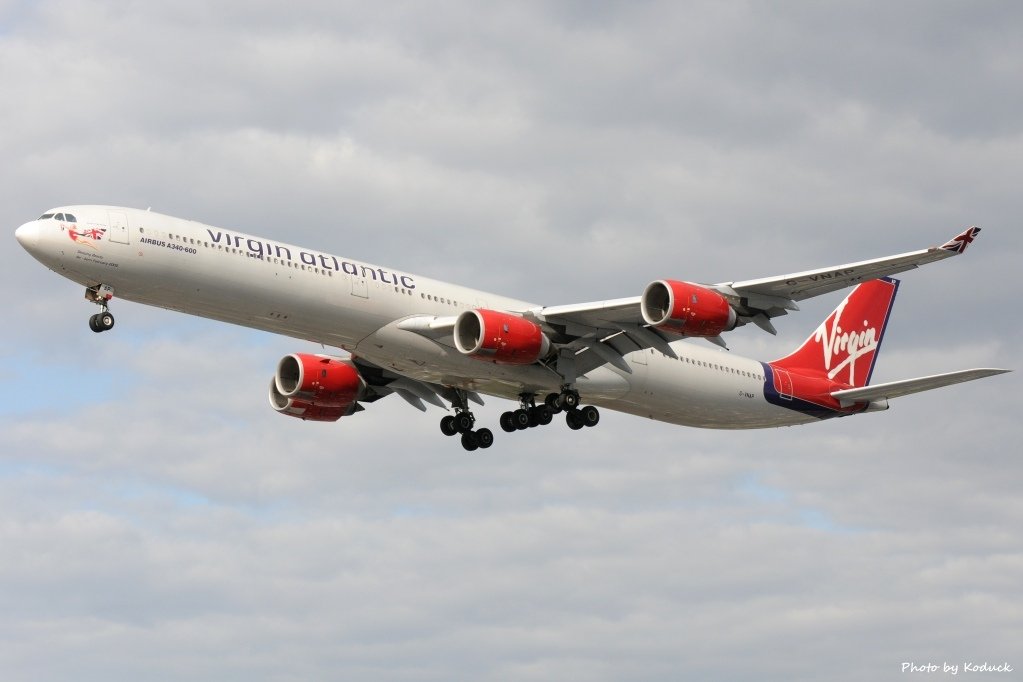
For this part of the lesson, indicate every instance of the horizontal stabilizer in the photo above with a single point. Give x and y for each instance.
(895, 389)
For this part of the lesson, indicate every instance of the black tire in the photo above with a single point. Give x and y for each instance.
(94, 324)
(485, 438)
(463, 423)
(552, 402)
(521, 418)
(574, 421)
(569, 400)
(447, 426)
(589, 415)
(508, 422)
(469, 441)
(544, 415)
(105, 321)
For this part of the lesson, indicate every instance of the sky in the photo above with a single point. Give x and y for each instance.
(159, 521)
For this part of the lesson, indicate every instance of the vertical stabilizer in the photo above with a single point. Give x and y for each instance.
(844, 347)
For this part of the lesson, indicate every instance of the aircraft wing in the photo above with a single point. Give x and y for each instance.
(600, 332)
(797, 286)
(896, 389)
(615, 327)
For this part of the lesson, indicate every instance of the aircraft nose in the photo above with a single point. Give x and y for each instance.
(28, 235)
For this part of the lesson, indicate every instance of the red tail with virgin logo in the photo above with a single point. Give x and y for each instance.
(844, 346)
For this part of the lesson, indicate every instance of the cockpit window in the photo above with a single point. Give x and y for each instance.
(59, 217)
(69, 218)
(46, 216)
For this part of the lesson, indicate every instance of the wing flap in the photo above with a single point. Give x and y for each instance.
(896, 389)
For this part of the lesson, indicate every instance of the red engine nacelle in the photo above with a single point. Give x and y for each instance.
(499, 337)
(315, 387)
(686, 308)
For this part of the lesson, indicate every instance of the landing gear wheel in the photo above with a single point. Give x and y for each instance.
(485, 438)
(463, 423)
(542, 415)
(470, 442)
(569, 400)
(447, 426)
(521, 419)
(552, 401)
(589, 415)
(508, 422)
(101, 322)
(574, 420)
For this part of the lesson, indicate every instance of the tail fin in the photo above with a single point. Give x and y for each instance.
(844, 347)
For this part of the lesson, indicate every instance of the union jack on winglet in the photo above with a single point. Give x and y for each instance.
(959, 242)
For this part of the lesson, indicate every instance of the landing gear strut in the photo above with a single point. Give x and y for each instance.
(462, 422)
(100, 295)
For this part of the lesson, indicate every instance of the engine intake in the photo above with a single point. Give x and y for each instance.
(686, 308)
(499, 337)
(315, 387)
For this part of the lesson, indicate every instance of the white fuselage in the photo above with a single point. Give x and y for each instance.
(226, 275)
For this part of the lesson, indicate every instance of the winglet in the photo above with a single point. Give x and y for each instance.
(958, 243)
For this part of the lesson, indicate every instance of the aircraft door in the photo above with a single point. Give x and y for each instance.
(118, 227)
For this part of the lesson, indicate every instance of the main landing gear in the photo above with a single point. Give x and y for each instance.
(461, 422)
(100, 295)
(530, 414)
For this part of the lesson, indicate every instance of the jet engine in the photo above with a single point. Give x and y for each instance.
(499, 337)
(686, 308)
(315, 387)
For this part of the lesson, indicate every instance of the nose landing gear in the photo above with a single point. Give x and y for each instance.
(100, 295)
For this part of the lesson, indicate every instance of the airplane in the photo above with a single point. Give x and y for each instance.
(432, 342)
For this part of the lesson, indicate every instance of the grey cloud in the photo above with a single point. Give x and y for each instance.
(159, 521)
